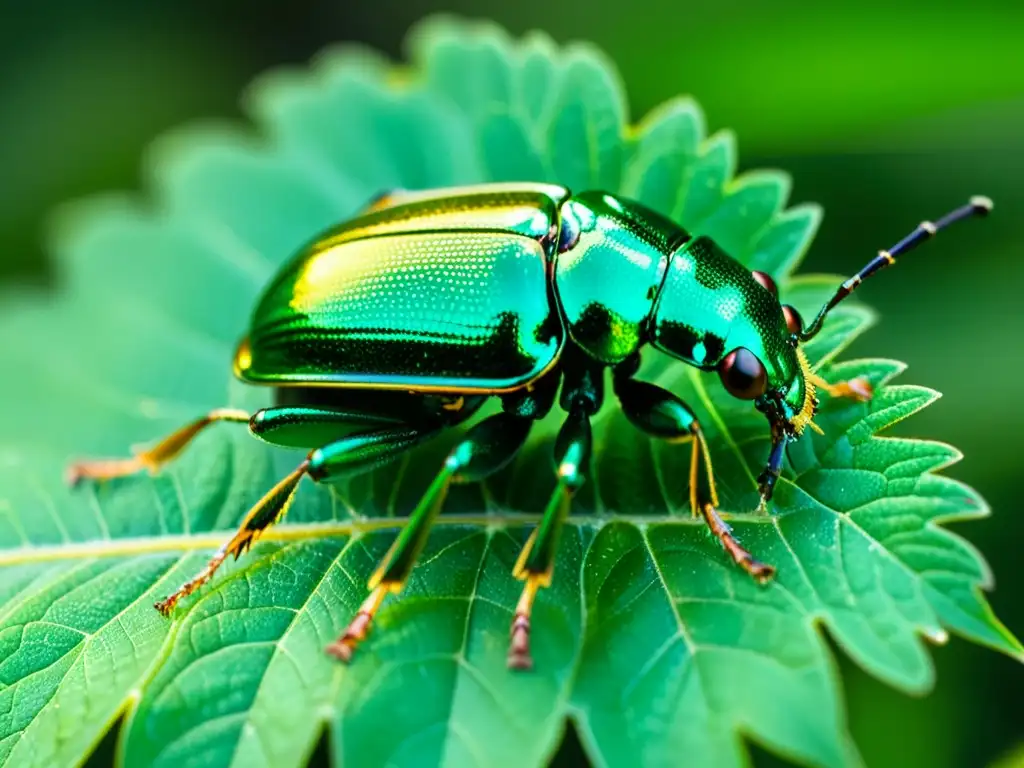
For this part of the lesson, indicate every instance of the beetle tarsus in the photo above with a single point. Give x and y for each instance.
(103, 469)
(156, 456)
(766, 489)
(519, 656)
(762, 573)
(166, 605)
(345, 646)
(859, 389)
(519, 646)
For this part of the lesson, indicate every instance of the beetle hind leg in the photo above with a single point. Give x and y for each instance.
(343, 648)
(154, 457)
(485, 449)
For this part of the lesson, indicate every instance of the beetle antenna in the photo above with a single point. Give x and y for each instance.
(978, 206)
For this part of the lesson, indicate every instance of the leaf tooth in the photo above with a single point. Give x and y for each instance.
(586, 136)
(538, 79)
(715, 166)
(906, 459)
(662, 154)
(750, 203)
(782, 245)
(896, 403)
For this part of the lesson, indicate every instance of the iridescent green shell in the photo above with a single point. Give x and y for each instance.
(478, 289)
(445, 291)
(610, 272)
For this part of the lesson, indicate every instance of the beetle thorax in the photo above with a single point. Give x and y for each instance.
(612, 261)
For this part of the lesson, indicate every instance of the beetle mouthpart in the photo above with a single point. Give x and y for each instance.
(803, 418)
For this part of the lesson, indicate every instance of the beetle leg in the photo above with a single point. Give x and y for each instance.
(773, 468)
(155, 457)
(659, 413)
(265, 513)
(486, 448)
(700, 446)
(760, 572)
(536, 562)
(859, 390)
(354, 452)
(343, 648)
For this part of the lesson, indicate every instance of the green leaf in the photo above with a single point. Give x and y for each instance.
(648, 639)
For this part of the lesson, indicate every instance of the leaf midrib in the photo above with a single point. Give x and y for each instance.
(119, 547)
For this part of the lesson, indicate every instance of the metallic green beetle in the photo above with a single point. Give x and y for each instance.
(400, 323)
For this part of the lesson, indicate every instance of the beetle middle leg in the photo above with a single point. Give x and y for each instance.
(661, 414)
(536, 562)
(582, 392)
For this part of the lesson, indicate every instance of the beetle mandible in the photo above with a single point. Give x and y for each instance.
(400, 323)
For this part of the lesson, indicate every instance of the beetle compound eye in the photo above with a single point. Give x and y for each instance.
(743, 375)
(794, 322)
(766, 282)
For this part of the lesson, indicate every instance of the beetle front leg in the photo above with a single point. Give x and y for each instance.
(773, 468)
(858, 390)
(155, 457)
(659, 413)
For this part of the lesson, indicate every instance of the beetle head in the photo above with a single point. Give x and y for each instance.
(712, 312)
(760, 339)
(763, 361)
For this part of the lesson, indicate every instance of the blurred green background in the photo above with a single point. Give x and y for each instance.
(884, 115)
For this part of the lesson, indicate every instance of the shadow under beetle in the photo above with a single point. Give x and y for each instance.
(400, 323)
